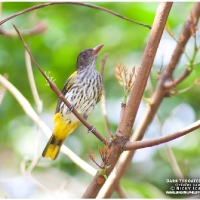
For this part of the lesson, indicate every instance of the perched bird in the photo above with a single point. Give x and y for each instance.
(83, 90)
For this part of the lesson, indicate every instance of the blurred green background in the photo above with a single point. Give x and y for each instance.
(70, 29)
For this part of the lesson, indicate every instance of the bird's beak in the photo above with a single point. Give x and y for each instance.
(97, 49)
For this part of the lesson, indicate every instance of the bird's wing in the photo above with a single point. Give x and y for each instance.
(99, 97)
(66, 87)
(101, 90)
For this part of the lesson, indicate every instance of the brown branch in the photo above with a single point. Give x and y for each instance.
(59, 93)
(103, 62)
(36, 97)
(163, 139)
(151, 111)
(75, 3)
(120, 191)
(125, 127)
(103, 98)
(187, 32)
(39, 104)
(172, 159)
(174, 164)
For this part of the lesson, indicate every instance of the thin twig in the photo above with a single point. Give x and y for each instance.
(2, 93)
(2, 90)
(172, 159)
(163, 139)
(75, 3)
(36, 153)
(173, 83)
(174, 162)
(36, 97)
(38, 102)
(60, 94)
(120, 191)
(103, 98)
(103, 62)
(185, 35)
(45, 129)
(23, 171)
(39, 111)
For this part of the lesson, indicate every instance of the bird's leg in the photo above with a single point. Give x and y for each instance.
(92, 129)
(70, 109)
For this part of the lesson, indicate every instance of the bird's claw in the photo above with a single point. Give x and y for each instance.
(92, 129)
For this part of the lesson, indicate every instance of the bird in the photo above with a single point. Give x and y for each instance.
(83, 90)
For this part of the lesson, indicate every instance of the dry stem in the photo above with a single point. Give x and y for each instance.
(36, 97)
(103, 98)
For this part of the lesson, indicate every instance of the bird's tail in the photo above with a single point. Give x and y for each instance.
(52, 148)
(61, 130)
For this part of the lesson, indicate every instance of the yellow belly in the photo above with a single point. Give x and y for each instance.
(62, 128)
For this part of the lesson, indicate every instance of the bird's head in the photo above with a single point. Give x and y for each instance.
(87, 58)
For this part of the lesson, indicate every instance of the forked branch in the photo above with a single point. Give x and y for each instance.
(151, 111)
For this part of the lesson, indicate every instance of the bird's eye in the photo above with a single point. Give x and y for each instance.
(84, 55)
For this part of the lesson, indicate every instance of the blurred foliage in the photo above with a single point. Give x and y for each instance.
(72, 28)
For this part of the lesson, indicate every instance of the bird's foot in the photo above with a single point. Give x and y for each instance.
(70, 109)
(92, 129)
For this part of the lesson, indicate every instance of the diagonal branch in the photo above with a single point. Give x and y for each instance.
(185, 35)
(60, 94)
(75, 3)
(2, 89)
(149, 143)
(103, 98)
(36, 97)
(39, 104)
(172, 159)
